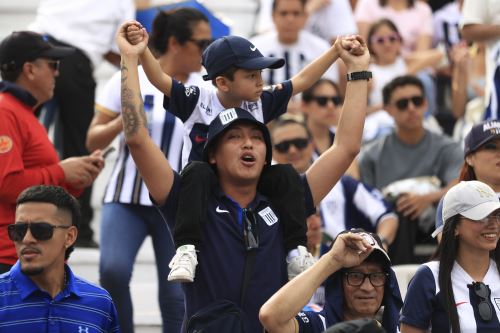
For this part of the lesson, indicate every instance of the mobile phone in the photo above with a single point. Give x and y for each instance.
(107, 151)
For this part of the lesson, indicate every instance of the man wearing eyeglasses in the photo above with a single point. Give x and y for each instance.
(40, 293)
(29, 65)
(359, 280)
(410, 151)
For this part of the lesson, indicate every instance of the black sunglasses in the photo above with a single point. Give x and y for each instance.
(54, 64)
(323, 100)
(402, 104)
(299, 143)
(250, 232)
(356, 279)
(484, 306)
(41, 231)
(201, 43)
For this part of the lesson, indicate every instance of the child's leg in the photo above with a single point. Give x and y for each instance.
(284, 188)
(196, 183)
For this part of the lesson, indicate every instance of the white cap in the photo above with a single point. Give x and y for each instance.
(471, 199)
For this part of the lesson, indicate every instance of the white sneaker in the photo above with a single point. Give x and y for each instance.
(183, 264)
(299, 263)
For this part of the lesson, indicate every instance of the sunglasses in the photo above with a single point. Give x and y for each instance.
(250, 232)
(356, 279)
(284, 146)
(384, 39)
(488, 219)
(484, 306)
(402, 104)
(323, 100)
(40, 231)
(54, 64)
(490, 146)
(201, 43)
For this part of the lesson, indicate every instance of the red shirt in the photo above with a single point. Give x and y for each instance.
(27, 158)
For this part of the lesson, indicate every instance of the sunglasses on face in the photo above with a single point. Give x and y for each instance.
(484, 306)
(491, 146)
(384, 39)
(402, 104)
(54, 64)
(40, 231)
(201, 43)
(488, 219)
(250, 229)
(356, 279)
(284, 146)
(323, 100)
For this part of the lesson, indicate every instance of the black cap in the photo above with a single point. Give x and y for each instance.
(236, 51)
(228, 118)
(22, 46)
(480, 134)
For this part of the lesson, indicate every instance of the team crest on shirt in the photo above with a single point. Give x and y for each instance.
(190, 90)
(5, 144)
(268, 216)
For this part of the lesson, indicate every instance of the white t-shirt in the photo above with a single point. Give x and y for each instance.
(167, 131)
(307, 48)
(89, 25)
(383, 75)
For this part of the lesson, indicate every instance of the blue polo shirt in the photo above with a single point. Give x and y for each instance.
(80, 307)
(221, 257)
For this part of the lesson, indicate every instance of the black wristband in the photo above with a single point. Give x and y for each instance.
(363, 75)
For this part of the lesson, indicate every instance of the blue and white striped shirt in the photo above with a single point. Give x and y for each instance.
(81, 307)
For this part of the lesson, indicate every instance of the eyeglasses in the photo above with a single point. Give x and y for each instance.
(384, 39)
(284, 146)
(356, 279)
(41, 231)
(323, 100)
(201, 43)
(402, 104)
(250, 232)
(54, 64)
(483, 293)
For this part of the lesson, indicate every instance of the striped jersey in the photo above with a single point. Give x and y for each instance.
(81, 307)
(125, 184)
(423, 307)
(492, 109)
(197, 106)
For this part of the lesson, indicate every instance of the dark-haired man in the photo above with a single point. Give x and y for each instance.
(40, 293)
(29, 65)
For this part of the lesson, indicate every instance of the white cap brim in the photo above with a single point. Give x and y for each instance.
(481, 211)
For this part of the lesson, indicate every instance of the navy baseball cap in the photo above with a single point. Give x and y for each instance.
(480, 134)
(236, 51)
(22, 46)
(228, 118)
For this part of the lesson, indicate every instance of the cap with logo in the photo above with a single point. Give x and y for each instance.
(235, 51)
(374, 241)
(480, 134)
(227, 119)
(22, 46)
(472, 199)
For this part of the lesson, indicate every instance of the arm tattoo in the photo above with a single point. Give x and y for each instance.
(132, 115)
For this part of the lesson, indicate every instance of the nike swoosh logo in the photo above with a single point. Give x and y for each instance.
(460, 303)
(199, 139)
(253, 48)
(218, 210)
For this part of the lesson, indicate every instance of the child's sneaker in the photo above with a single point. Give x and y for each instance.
(183, 264)
(299, 262)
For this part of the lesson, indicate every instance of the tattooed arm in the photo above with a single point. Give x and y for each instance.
(149, 159)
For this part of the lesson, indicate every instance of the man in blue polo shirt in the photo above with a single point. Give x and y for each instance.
(40, 292)
(238, 217)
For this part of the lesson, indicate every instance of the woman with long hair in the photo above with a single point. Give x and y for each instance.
(128, 215)
(457, 290)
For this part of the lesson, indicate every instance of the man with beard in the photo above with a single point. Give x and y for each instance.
(40, 292)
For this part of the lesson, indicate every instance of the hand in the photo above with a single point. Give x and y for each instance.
(350, 249)
(460, 56)
(81, 171)
(412, 205)
(138, 35)
(354, 52)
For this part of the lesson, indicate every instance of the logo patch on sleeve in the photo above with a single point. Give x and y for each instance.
(268, 216)
(5, 144)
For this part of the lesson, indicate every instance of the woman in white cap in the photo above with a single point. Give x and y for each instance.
(458, 291)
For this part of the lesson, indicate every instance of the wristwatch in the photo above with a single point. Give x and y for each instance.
(363, 75)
